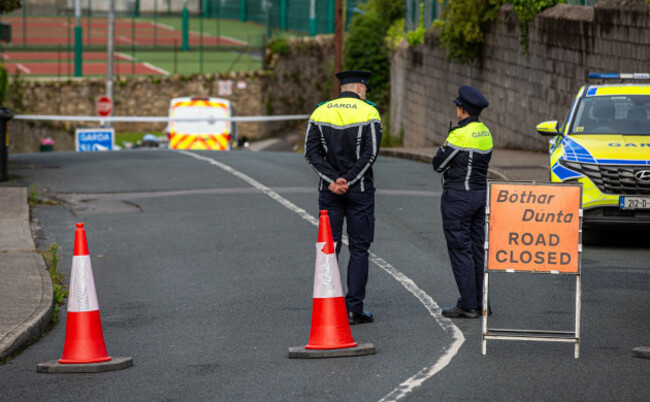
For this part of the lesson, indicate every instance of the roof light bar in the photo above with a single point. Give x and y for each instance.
(621, 76)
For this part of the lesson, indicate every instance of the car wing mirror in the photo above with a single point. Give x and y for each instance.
(547, 128)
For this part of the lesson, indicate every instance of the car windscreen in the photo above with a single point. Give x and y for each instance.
(620, 114)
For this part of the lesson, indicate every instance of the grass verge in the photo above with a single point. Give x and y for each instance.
(51, 258)
(36, 196)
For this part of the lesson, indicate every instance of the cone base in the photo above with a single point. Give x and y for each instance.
(116, 363)
(69, 361)
(339, 346)
(301, 352)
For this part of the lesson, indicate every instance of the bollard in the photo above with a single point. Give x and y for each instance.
(5, 116)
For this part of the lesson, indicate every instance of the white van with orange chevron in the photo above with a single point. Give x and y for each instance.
(208, 132)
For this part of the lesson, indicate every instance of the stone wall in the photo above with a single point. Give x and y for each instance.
(293, 83)
(565, 44)
(301, 78)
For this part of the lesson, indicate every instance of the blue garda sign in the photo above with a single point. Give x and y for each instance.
(94, 139)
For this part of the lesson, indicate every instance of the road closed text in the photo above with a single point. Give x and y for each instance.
(533, 227)
(545, 257)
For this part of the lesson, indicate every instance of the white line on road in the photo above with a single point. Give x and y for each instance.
(137, 195)
(447, 325)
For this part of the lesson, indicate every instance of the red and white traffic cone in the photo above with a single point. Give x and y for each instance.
(330, 328)
(330, 334)
(84, 339)
(84, 349)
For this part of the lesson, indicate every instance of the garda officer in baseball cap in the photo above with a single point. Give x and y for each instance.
(463, 161)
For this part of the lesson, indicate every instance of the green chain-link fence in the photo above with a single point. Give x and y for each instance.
(154, 37)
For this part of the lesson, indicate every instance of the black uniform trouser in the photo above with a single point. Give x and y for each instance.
(358, 209)
(463, 220)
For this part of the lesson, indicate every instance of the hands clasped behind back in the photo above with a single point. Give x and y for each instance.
(339, 187)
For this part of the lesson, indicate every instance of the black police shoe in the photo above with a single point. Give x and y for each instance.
(360, 318)
(458, 312)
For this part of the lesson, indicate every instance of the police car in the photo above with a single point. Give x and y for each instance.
(605, 144)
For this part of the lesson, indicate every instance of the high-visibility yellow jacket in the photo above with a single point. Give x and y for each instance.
(342, 140)
(464, 158)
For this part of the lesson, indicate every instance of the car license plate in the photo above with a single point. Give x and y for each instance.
(634, 202)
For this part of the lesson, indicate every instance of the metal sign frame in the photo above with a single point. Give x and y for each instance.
(523, 334)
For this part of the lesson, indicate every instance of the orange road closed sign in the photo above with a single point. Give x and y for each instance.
(534, 227)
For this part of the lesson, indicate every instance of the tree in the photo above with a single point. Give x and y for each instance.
(365, 45)
(7, 6)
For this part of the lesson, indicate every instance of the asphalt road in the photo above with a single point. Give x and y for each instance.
(204, 263)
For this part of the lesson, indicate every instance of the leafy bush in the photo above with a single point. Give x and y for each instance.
(279, 46)
(395, 33)
(464, 23)
(51, 258)
(7, 6)
(416, 37)
(366, 47)
(526, 11)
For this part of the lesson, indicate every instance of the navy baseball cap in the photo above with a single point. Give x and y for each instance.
(471, 100)
(354, 76)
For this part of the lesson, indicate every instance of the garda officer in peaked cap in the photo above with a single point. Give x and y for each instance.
(352, 77)
(341, 144)
(463, 160)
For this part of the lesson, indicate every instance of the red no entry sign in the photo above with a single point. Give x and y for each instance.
(104, 106)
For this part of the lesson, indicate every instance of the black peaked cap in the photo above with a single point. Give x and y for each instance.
(471, 99)
(354, 76)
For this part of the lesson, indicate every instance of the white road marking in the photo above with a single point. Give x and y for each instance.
(136, 195)
(434, 310)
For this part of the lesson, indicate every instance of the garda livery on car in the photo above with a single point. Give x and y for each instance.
(605, 144)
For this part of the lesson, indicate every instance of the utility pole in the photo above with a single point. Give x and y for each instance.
(338, 43)
(110, 45)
